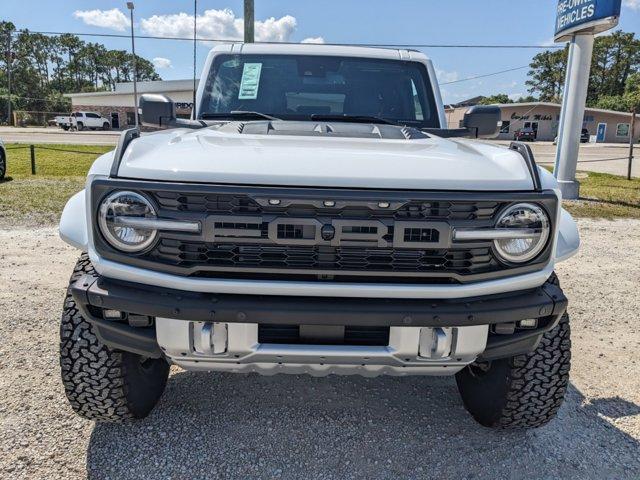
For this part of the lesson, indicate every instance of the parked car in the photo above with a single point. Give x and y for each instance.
(89, 120)
(585, 137)
(63, 121)
(3, 160)
(525, 135)
(317, 216)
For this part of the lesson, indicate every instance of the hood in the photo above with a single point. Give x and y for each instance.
(227, 156)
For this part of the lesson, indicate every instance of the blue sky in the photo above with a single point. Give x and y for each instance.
(335, 21)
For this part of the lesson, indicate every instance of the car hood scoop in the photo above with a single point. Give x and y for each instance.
(309, 154)
(324, 129)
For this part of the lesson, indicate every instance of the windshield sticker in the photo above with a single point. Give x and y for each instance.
(250, 81)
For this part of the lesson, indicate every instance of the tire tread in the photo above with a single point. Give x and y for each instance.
(93, 375)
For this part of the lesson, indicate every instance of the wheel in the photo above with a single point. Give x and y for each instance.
(65, 128)
(3, 165)
(80, 126)
(103, 384)
(106, 126)
(524, 391)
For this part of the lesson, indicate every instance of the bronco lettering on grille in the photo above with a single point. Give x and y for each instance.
(332, 232)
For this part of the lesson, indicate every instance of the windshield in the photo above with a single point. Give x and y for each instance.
(295, 87)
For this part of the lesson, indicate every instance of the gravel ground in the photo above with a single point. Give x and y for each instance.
(236, 426)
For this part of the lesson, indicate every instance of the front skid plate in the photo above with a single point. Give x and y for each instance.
(405, 353)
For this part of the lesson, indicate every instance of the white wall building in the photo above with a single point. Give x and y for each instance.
(118, 105)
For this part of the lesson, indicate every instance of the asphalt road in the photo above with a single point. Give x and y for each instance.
(227, 426)
(592, 156)
(57, 136)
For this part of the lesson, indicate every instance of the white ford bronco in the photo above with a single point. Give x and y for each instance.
(316, 215)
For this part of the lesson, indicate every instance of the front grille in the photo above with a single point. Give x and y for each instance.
(405, 248)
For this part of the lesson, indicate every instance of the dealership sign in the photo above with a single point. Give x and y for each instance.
(593, 16)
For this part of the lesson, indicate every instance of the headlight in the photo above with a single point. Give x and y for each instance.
(126, 220)
(525, 231)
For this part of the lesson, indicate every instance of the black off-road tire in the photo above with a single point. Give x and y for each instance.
(106, 126)
(103, 384)
(524, 391)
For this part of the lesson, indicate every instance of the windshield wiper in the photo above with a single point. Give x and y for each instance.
(352, 118)
(239, 114)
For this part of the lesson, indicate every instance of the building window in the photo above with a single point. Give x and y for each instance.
(622, 130)
(131, 118)
(505, 126)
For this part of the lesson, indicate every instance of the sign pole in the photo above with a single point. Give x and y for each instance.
(572, 114)
(577, 22)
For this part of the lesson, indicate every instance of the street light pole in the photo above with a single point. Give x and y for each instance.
(130, 6)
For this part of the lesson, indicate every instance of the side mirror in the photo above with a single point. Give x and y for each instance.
(157, 110)
(482, 120)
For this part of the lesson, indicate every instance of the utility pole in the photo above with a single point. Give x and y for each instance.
(249, 28)
(9, 59)
(631, 139)
(195, 25)
(130, 6)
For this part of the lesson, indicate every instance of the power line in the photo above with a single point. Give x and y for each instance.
(485, 75)
(235, 40)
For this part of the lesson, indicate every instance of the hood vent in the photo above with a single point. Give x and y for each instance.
(325, 129)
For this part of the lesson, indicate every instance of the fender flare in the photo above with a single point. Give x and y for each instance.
(568, 237)
(73, 222)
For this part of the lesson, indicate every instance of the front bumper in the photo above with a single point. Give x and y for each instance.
(177, 311)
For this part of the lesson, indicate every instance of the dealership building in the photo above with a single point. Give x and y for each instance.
(605, 126)
(118, 106)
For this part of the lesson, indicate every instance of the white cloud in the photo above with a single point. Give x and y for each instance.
(161, 62)
(632, 4)
(113, 19)
(313, 40)
(446, 77)
(508, 85)
(218, 24)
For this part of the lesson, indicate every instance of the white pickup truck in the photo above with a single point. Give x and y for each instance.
(317, 216)
(83, 120)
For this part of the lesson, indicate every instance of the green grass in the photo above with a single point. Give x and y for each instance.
(38, 199)
(35, 200)
(52, 161)
(603, 195)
